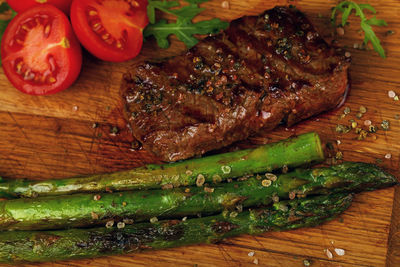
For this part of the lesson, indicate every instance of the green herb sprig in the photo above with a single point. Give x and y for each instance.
(183, 28)
(346, 7)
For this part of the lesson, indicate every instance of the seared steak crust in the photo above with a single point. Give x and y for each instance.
(261, 71)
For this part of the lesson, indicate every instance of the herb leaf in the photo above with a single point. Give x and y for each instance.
(372, 37)
(345, 16)
(376, 22)
(183, 28)
(160, 5)
(346, 7)
(187, 12)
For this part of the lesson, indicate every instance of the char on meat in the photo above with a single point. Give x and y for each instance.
(260, 72)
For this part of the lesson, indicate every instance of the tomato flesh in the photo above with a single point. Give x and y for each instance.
(39, 51)
(110, 29)
(22, 5)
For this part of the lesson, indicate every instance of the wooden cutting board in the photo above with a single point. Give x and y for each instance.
(68, 134)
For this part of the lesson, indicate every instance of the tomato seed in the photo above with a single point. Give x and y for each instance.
(19, 66)
(133, 3)
(29, 75)
(97, 27)
(52, 79)
(92, 13)
(118, 44)
(25, 27)
(109, 41)
(47, 30)
(105, 36)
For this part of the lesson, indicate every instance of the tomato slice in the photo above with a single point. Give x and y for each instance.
(110, 29)
(22, 5)
(39, 51)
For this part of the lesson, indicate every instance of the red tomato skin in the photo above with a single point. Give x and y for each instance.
(95, 45)
(70, 66)
(22, 5)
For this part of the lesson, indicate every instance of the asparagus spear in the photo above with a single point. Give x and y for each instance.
(82, 210)
(291, 152)
(40, 246)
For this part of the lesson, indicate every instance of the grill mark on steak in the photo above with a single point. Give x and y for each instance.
(261, 71)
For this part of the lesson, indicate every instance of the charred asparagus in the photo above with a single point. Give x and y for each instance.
(40, 246)
(291, 152)
(82, 210)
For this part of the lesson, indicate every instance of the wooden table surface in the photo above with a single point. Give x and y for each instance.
(53, 136)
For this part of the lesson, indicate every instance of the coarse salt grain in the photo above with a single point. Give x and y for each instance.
(109, 224)
(128, 221)
(225, 4)
(338, 142)
(307, 262)
(339, 251)
(388, 156)
(266, 183)
(329, 254)
(367, 122)
(271, 176)
(226, 169)
(255, 261)
(208, 190)
(391, 94)
(120, 225)
(340, 31)
(200, 180)
(251, 254)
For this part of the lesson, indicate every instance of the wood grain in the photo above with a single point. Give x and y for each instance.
(53, 136)
(393, 254)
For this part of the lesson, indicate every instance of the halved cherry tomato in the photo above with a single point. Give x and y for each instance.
(110, 29)
(22, 5)
(39, 51)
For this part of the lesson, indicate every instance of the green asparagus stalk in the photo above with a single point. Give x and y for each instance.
(83, 210)
(41, 246)
(291, 152)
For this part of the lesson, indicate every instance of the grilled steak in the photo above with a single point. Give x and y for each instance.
(260, 72)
